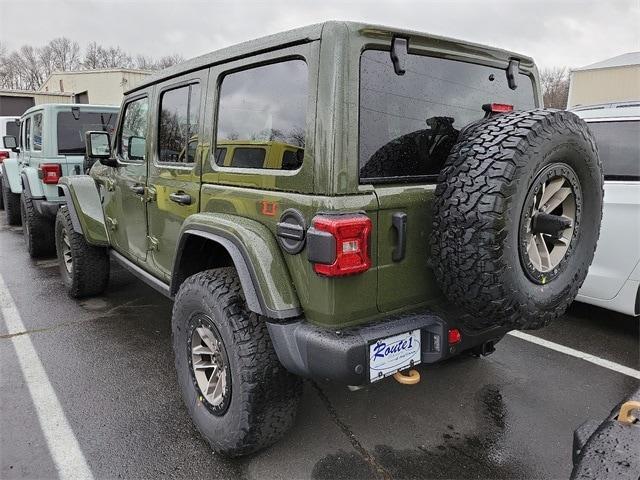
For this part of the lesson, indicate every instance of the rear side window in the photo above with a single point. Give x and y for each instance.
(73, 125)
(248, 158)
(178, 125)
(12, 129)
(27, 134)
(36, 134)
(263, 104)
(409, 123)
(619, 148)
(133, 134)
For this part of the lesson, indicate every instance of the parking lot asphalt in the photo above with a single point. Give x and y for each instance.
(110, 364)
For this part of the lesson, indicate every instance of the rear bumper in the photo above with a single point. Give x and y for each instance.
(343, 356)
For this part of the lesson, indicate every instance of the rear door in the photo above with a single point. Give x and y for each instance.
(408, 125)
(174, 173)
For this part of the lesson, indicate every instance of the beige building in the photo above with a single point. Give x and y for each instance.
(614, 80)
(99, 87)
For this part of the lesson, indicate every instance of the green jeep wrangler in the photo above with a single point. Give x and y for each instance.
(423, 205)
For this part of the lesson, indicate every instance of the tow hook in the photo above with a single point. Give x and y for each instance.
(411, 379)
(625, 416)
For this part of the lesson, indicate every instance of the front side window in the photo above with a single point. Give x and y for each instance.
(619, 148)
(262, 111)
(27, 134)
(36, 135)
(133, 136)
(73, 125)
(178, 125)
(410, 122)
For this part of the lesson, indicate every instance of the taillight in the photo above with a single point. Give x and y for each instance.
(338, 245)
(3, 155)
(454, 336)
(50, 173)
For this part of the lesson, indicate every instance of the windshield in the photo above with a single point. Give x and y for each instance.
(409, 123)
(619, 148)
(73, 125)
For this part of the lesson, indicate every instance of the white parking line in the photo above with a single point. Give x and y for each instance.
(616, 367)
(61, 441)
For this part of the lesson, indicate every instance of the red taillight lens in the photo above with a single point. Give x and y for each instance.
(454, 336)
(3, 155)
(50, 173)
(350, 241)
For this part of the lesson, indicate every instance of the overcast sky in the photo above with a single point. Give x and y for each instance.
(573, 33)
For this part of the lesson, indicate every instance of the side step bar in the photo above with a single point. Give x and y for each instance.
(143, 275)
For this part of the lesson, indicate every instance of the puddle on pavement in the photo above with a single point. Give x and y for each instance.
(94, 304)
(475, 455)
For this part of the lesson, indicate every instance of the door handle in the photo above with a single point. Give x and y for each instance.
(137, 189)
(399, 222)
(180, 197)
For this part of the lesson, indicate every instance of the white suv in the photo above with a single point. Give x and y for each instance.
(8, 126)
(614, 277)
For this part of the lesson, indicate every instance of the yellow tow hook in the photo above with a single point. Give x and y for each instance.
(625, 416)
(411, 379)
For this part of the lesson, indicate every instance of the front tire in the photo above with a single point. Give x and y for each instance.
(11, 203)
(38, 230)
(240, 397)
(83, 267)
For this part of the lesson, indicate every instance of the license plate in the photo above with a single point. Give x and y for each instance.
(392, 354)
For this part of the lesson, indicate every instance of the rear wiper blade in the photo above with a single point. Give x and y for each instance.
(512, 71)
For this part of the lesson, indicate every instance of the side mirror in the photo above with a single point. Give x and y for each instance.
(137, 148)
(98, 147)
(10, 142)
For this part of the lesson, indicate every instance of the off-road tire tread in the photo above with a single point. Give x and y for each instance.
(271, 394)
(11, 204)
(90, 263)
(38, 231)
(478, 180)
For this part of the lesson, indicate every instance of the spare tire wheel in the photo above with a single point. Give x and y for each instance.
(517, 218)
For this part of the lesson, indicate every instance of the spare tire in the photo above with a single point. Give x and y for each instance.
(517, 217)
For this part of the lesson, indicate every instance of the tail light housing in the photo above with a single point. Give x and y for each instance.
(50, 173)
(338, 245)
(3, 155)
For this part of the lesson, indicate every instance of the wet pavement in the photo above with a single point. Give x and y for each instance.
(109, 360)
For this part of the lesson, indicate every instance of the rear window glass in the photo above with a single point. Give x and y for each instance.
(619, 148)
(178, 131)
(409, 123)
(263, 104)
(73, 125)
(13, 129)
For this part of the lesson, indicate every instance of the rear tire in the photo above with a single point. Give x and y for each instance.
(38, 230)
(1, 195)
(11, 203)
(259, 398)
(83, 267)
(489, 256)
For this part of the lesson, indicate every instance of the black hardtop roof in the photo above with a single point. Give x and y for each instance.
(314, 32)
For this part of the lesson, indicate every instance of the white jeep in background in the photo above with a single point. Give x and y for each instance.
(8, 126)
(613, 281)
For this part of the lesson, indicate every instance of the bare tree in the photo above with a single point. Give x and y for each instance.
(28, 66)
(65, 54)
(555, 87)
